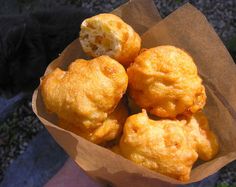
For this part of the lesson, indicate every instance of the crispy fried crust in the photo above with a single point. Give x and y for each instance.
(158, 145)
(108, 130)
(107, 34)
(167, 146)
(164, 80)
(203, 139)
(87, 93)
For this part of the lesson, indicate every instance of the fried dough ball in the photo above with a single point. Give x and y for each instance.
(203, 139)
(167, 146)
(164, 80)
(107, 130)
(161, 145)
(108, 34)
(87, 93)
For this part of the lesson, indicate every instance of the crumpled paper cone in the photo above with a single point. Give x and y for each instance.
(188, 29)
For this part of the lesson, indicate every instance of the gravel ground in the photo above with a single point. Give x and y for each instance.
(227, 177)
(17, 131)
(15, 134)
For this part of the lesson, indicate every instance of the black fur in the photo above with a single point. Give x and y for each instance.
(29, 42)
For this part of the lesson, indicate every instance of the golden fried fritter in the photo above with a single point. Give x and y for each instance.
(203, 139)
(87, 93)
(161, 145)
(107, 130)
(164, 80)
(167, 146)
(107, 34)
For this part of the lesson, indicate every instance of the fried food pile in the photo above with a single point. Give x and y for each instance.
(170, 133)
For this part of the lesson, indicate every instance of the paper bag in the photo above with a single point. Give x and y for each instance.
(188, 29)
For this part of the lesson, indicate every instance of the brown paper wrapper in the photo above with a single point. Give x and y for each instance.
(188, 29)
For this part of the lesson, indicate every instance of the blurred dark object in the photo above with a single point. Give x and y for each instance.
(29, 42)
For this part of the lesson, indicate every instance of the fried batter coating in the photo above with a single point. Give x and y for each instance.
(167, 146)
(107, 130)
(87, 93)
(164, 80)
(108, 34)
(161, 145)
(203, 139)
